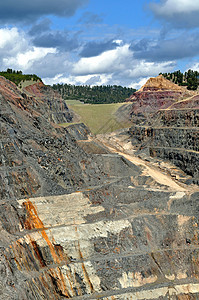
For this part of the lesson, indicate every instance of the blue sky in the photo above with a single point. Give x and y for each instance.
(121, 42)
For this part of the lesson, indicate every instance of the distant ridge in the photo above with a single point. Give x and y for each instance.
(158, 93)
(18, 77)
(160, 83)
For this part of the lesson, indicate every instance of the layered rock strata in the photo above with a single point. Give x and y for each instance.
(77, 222)
(49, 100)
(171, 133)
(157, 93)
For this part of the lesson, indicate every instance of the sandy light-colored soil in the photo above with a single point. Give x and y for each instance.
(122, 146)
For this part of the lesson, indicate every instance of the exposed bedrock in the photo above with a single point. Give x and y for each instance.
(83, 222)
(113, 241)
(172, 135)
(157, 93)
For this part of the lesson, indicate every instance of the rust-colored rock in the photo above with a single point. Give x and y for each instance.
(84, 222)
(157, 93)
(169, 123)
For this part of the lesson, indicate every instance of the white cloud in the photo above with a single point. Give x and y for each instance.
(141, 68)
(26, 59)
(17, 52)
(107, 62)
(119, 42)
(194, 66)
(12, 41)
(97, 79)
(179, 13)
(137, 84)
(134, 73)
(117, 66)
(170, 7)
(120, 65)
(7, 35)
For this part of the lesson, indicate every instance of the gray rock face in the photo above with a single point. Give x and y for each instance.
(87, 224)
(172, 135)
(46, 99)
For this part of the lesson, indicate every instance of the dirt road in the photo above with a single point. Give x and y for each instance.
(118, 146)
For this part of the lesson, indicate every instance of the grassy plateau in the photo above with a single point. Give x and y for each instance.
(100, 118)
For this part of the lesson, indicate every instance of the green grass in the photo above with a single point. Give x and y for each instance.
(24, 84)
(73, 102)
(68, 124)
(99, 118)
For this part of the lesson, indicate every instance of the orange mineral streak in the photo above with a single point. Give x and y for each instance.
(33, 221)
(61, 282)
(86, 276)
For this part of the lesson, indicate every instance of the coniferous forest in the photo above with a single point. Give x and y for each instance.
(94, 94)
(190, 79)
(18, 76)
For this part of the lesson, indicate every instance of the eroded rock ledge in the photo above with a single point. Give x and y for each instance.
(172, 134)
(78, 220)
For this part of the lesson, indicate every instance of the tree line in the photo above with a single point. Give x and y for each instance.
(95, 94)
(18, 76)
(190, 79)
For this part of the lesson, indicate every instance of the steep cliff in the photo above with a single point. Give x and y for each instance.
(49, 100)
(157, 93)
(78, 220)
(170, 133)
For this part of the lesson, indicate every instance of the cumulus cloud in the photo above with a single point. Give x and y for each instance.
(167, 49)
(101, 79)
(23, 10)
(194, 66)
(40, 27)
(107, 62)
(54, 64)
(118, 66)
(137, 84)
(58, 39)
(170, 7)
(141, 68)
(134, 74)
(17, 52)
(26, 59)
(12, 42)
(120, 61)
(95, 48)
(181, 13)
(43, 36)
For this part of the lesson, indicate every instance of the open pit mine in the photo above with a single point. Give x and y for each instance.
(112, 216)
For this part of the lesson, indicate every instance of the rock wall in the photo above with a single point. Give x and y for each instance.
(173, 135)
(157, 93)
(51, 101)
(76, 224)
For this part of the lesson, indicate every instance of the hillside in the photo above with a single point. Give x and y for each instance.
(95, 94)
(157, 93)
(84, 217)
(189, 79)
(18, 77)
(100, 118)
(165, 123)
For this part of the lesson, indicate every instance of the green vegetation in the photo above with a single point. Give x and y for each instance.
(95, 94)
(73, 102)
(190, 79)
(17, 76)
(68, 124)
(99, 118)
